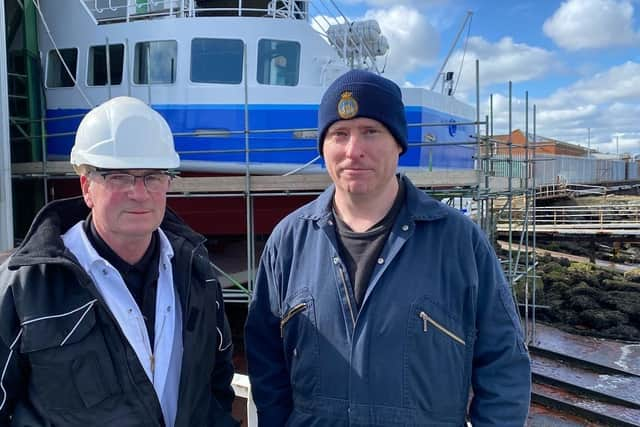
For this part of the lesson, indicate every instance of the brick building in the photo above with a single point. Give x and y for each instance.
(543, 145)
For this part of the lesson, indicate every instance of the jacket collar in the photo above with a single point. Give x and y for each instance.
(43, 241)
(420, 206)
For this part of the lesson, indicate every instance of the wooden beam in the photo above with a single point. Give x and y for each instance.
(39, 168)
(259, 183)
(439, 179)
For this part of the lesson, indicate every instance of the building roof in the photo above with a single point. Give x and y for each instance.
(539, 139)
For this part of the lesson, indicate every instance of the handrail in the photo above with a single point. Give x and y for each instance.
(132, 10)
(583, 189)
(599, 217)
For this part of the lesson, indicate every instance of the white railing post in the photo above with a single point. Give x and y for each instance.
(242, 388)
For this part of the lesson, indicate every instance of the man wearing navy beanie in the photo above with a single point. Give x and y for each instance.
(376, 305)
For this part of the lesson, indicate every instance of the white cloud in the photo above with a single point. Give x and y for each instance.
(390, 3)
(387, 3)
(593, 110)
(619, 83)
(563, 116)
(592, 125)
(501, 62)
(583, 24)
(413, 41)
(620, 120)
(605, 101)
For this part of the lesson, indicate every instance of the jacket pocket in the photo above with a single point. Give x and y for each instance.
(298, 308)
(437, 360)
(428, 320)
(71, 367)
(300, 342)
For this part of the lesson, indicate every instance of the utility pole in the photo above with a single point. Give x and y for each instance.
(589, 142)
(617, 146)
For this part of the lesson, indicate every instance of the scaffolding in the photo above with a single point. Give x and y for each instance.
(520, 259)
(25, 106)
(6, 202)
(490, 186)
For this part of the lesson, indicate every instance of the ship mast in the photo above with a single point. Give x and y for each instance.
(453, 46)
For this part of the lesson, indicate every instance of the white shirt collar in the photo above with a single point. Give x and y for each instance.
(162, 365)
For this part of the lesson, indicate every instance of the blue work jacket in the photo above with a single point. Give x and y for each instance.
(436, 338)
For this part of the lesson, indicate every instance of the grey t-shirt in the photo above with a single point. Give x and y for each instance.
(360, 251)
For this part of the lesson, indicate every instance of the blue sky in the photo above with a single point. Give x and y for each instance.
(579, 60)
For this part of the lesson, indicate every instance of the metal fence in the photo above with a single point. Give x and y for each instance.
(560, 169)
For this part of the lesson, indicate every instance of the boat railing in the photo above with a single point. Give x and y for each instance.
(116, 11)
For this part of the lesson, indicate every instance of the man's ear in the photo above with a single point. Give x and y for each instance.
(85, 183)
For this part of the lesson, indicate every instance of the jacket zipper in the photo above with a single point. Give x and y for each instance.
(152, 358)
(426, 320)
(295, 310)
(346, 292)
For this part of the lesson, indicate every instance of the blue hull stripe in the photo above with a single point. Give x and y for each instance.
(229, 147)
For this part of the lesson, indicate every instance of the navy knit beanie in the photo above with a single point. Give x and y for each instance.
(359, 93)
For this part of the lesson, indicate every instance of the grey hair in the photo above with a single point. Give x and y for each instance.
(83, 169)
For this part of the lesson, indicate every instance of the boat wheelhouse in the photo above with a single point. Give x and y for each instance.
(239, 81)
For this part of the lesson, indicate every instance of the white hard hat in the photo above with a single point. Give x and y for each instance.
(124, 133)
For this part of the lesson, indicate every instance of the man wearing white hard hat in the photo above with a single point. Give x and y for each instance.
(110, 312)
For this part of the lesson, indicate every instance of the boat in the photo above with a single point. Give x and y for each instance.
(239, 81)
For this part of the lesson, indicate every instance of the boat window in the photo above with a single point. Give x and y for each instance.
(57, 74)
(278, 62)
(155, 62)
(216, 60)
(97, 70)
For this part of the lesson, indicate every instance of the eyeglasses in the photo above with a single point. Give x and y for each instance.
(155, 182)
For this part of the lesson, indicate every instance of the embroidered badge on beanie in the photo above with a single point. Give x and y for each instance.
(347, 107)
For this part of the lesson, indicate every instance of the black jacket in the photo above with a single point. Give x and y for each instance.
(59, 368)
